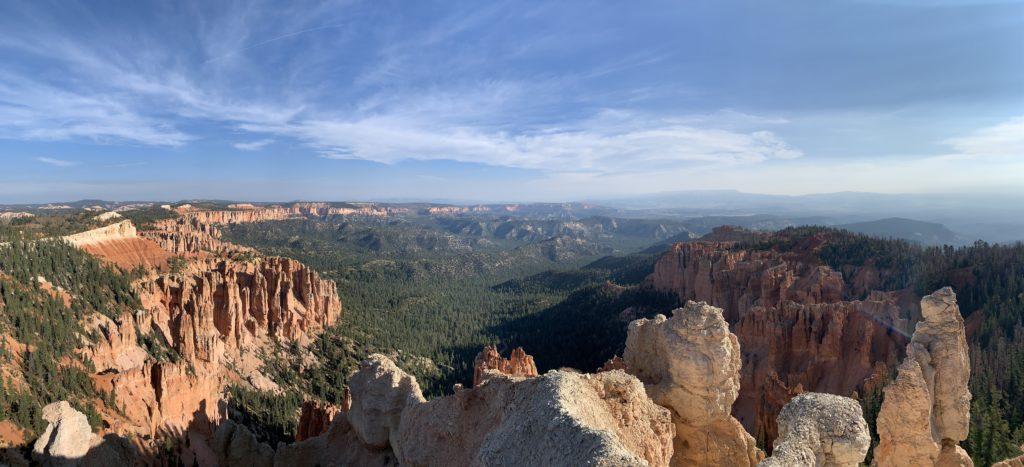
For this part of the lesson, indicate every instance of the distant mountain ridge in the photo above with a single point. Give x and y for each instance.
(925, 233)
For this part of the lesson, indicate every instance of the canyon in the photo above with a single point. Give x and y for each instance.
(796, 322)
(214, 313)
(770, 348)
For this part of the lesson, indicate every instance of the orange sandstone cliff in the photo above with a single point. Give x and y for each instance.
(200, 328)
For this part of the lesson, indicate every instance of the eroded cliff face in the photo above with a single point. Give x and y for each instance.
(120, 244)
(797, 328)
(926, 411)
(200, 328)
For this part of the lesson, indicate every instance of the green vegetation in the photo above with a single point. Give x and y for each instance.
(144, 218)
(45, 317)
(438, 289)
(49, 224)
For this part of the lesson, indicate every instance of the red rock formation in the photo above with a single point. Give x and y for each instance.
(797, 330)
(214, 314)
(241, 302)
(315, 419)
(738, 280)
(241, 216)
(189, 235)
(518, 364)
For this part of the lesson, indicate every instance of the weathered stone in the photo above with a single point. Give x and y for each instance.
(380, 391)
(690, 364)
(926, 410)
(560, 418)
(820, 430)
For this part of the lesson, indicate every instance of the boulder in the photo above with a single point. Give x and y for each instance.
(560, 418)
(67, 437)
(820, 430)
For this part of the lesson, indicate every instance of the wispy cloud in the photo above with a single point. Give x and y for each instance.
(1003, 139)
(57, 162)
(253, 145)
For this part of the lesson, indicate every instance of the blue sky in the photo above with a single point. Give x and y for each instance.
(507, 100)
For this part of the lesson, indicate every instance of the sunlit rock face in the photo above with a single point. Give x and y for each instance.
(820, 430)
(690, 363)
(926, 410)
(797, 328)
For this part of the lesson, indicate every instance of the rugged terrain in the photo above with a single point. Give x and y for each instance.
(179, 335)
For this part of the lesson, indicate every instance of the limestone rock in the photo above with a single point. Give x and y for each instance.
(67, 437)
(518, 364)
(690, 364)
(68, 440)
(820, 430)
(926, 410)
(380, 391)
(560, 418)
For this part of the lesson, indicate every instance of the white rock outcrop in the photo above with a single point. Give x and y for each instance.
(926, 410)
(690, 363)
(820, 430)
(67, 437)
(380, 391)
(561, 418)
(69, 441)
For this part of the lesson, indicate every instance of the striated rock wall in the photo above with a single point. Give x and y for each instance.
(926, 412)
(690, 363)
(489, 360)
(797, 329)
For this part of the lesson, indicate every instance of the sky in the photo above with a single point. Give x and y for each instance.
(507, 100)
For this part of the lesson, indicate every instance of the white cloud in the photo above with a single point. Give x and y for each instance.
(57, 162)
(612, 141)
(1004, 139)
(253, 145)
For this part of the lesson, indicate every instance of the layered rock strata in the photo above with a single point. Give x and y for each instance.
(820, 430)
(120, 243)
(926, 411)
(690, 363)
(489, 360)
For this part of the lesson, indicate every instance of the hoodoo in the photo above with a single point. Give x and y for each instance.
(690, 363)
(926, 411)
